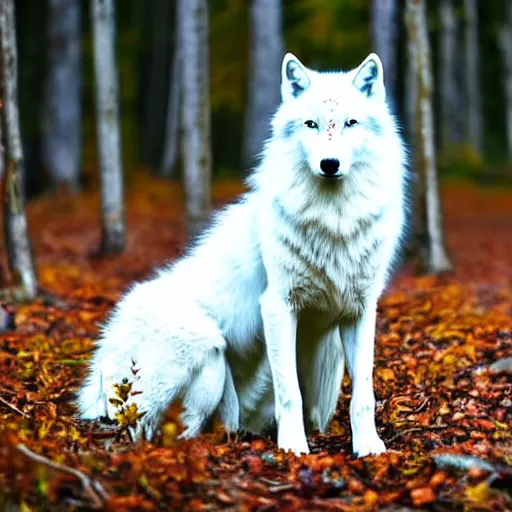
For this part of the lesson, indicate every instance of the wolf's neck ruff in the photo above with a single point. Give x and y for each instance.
(331, 123)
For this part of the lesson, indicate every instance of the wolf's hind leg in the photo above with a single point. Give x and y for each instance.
(166, 357)
(229, 408)
(203, 395)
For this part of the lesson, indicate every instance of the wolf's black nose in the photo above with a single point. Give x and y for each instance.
(330, 166)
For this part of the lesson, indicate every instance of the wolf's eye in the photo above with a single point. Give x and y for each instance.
(351, 122)
(311, 124)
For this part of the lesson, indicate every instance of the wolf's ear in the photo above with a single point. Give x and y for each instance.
(369, 77)
(294, 77)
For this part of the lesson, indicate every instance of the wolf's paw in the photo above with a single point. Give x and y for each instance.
(296, 443)
(291, 434)
(371, 445)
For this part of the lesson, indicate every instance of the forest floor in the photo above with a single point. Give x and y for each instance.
(444, 411)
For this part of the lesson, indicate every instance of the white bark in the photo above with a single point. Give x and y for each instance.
(195, 80)
(172, 127)
(505, 44)
(411, 90)
(429, 217)
(384, 34)
(472, 78)
(108, 134)
(447, 74)
(17, 240)
(62, 103)
(266, 53)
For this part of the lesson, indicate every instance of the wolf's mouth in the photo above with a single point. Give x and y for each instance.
(331, 176)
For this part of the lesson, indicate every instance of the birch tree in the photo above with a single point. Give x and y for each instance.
(17, 241)
(411, 91)
(472, 78)
(447, 75)
(266, 53)
(62, 115)
(384, 34)
(107, 127)
(428, 218)
(505, 44)
(172, 126)
(195, 79)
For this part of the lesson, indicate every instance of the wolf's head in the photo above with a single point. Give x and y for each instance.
(335, 121)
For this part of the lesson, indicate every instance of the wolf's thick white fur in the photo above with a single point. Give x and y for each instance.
(258, 321)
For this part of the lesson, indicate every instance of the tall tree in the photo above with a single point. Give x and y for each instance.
(505, 44)
(62, 103)
(195, 80)
(266, 53)
(384, 35)
(447, 72)
(172, 126)
(107, 121)
(428, 217)
(472, 78)
(17, 241)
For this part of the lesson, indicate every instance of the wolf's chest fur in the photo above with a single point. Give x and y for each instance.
(330, 267)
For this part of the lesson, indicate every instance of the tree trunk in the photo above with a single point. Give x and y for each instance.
(62, 103)
(505, 44)
(411, 93)
(109, 143)
(195, 78)
(17, 241)
(265, 60)
(472, 79)
(448, 75)
(384, 35)
(172, 127)
(428, 216)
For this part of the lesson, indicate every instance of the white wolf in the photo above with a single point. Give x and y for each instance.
(255, 324)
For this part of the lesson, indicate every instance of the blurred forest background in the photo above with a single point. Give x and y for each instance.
(183, 90)
(322, 33)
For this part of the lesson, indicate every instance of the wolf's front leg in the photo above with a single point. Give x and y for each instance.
(280, 326)
(359, 343)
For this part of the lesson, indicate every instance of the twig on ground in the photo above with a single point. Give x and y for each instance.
(280, 488)
(268, 481)
(275, 486)
(411, 430)
(12, 407)
(93, 490)
(402, 433)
